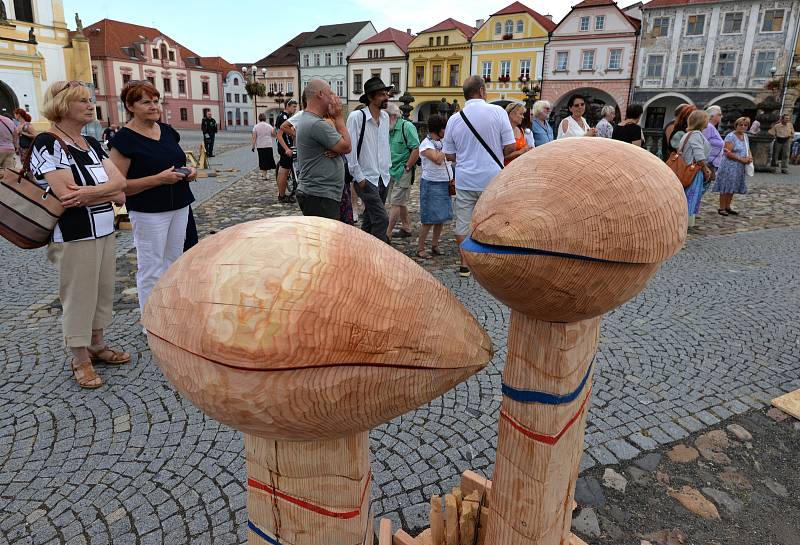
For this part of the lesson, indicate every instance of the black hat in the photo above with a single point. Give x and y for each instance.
(372, 85)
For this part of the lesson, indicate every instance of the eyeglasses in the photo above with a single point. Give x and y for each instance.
(73, 83)
(578, 105)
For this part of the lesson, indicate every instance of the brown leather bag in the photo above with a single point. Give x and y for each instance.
(28, 213)
(685, 172)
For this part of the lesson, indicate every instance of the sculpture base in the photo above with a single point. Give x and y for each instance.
(463, 526)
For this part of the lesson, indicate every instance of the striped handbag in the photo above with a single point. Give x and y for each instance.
(28, 213)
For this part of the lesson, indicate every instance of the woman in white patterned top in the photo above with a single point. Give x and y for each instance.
(78, 172)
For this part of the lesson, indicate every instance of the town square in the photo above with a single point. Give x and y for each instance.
(522, 274)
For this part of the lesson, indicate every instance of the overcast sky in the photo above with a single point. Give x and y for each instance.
(247, 30)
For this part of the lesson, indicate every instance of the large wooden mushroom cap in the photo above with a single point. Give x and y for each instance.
(576, 227)
(306, 328)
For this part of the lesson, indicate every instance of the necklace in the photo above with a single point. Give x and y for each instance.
(71, 139)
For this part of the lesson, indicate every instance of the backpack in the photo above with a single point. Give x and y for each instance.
(405, 140)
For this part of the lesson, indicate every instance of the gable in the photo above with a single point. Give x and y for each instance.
(531, 27)
(614, 22)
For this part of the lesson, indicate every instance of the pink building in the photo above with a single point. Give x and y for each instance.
(189, 84)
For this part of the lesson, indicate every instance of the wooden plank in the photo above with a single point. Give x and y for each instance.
(471, 481)
(468, 523)
(789, 403)
(437, 521)
(385, 532)
(425, 538)
(575, 540)
(402, 538)
(450, 520)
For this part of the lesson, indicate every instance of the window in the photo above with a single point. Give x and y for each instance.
(520, 26)
(561, 61)
(328, 61)
(125, 78)
(172, 56)
(486, 69)
(340, 88)
(446, 41)
(98, 112)
(430, 42)
(236, 97)
(244, 99)
(509, 27)
(437, 75)
(655, 64)
(587, 60)
(280, 86)
(498, 28)
(732, 24)
(773, 21)
(94, 80)
(689, 63)
(230, 119)
(184, 114)
(339, 58)
(272, 87)
(695, 24)
(204, 87)
(369, 54)
(505, 69)
(438, 40)
(155, 52)
(420, 76)
(394, 81)
(357, 82)
(152, 80)
(584, 24)
(290, 87)
(600, 22)
(306, 60)
(375, 73)
(726, 62)
(182, 86)
(525, 69)
(23, 10)
(167, 85)
(236, 81)
(455, 79)
(661, 26)
(228, 97)
(764, 61)
(245, 119)
(316, 59)
(615, 59)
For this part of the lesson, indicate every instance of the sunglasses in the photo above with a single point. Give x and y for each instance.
(73, 83)
(578, 105)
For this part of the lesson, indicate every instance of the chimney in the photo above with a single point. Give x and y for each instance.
(408, 31)
(548, 16)
(479, 23)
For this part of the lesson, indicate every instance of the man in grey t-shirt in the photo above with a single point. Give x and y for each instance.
(319, 149)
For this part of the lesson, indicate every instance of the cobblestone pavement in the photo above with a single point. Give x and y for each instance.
(716, 333)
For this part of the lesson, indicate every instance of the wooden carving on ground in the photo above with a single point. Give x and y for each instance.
(304, 333)
(564, 234)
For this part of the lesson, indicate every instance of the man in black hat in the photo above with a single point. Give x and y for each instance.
(370, 159)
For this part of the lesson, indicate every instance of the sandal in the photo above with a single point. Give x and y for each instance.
(422, 254)
(722, 212)
(85, 375)
(435, 250)
(109, 356)
(732, 212)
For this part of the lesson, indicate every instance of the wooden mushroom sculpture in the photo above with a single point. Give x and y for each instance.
(564, 234)
(304, 333)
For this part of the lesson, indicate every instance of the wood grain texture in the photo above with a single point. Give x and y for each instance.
(318, 492)
(385, 532)
(789, 403)
(402, 538)
(302, 327)
(592, 197)
(534, 480)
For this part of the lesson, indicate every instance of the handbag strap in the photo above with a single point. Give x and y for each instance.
(483, 143)
(361, 135)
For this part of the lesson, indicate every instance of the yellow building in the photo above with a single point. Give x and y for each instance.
(36, 49)
(508, 48)
(438, 62)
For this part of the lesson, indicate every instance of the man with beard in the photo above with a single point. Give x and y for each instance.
(370, 158)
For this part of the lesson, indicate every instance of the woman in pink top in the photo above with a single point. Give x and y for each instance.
(263, 136)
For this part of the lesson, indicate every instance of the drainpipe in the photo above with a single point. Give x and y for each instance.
(544, 67)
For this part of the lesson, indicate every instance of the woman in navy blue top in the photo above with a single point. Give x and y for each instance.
(148, 153)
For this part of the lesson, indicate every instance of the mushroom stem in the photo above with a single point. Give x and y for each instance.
(308, 492)
(546, 386)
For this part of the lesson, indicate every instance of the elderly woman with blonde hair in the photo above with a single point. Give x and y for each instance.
(516, 113)
(542, 131)
(714, 139)
(695, 149)
(83, 248)
(605, 128)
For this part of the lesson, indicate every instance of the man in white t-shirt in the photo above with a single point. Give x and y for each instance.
(475, 164)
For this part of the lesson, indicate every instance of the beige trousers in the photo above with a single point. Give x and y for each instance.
(8, 159)
(86, 273)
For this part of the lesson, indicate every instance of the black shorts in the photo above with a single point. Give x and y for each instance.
(285, 161)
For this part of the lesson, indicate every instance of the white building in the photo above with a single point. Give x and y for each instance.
(239, 114)
(324, 53)
(384, 55)
(712, 52)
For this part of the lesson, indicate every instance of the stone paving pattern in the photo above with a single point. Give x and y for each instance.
(714, 335)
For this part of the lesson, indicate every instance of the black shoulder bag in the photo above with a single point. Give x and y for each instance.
(483, 143)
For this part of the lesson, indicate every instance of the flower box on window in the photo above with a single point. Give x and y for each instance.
(504, 79)
(773, 84)
(507, 36)
(487, 79)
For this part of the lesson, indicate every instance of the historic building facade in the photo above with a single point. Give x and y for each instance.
(508, 51)
(592, 51)
(239, 114)
(384, 55)
(36, 49)
(714, 52)
(280, 74)
(323, 54)
(439, 59)
(189, 84)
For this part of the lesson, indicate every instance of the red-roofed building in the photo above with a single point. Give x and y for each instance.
(439, 60)
(384, 55)
(280, 74)
(592, 51)
(508, 51)
(189, 84)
